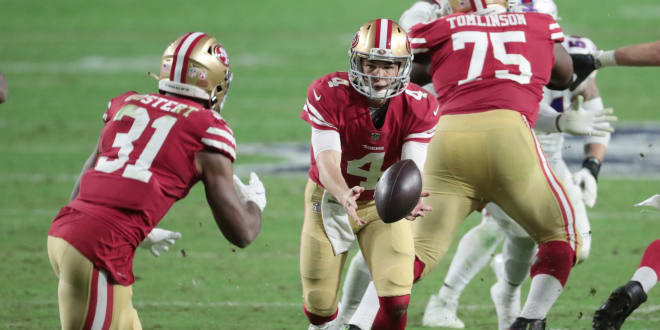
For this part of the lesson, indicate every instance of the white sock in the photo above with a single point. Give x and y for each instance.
(544, 291)
(366, 313)
(324, 326)
(646, 276)
(472, 254)
(517, 255)
(356, 283)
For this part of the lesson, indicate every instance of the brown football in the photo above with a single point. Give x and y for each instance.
(398, 190)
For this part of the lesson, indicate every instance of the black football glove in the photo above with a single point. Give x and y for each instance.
(583, 66)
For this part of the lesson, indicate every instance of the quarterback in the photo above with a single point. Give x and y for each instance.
(363, 121)
(152, 149)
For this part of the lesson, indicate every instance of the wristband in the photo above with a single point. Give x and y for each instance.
(593, 165)
(605, 58)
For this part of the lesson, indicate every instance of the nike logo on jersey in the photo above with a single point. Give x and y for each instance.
(318, 98)
(435, 112)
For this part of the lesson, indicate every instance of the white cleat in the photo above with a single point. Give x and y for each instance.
(507, 301)
(441, 313)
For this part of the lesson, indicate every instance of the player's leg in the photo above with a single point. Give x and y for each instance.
(320, 269)
(86, 294)
(626, 298)
(521, 171)
(472, 253)
(355, 284)
(124, 315)
(582, 224)
(389, 252)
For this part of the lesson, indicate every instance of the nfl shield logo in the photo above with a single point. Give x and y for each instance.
(375, 136)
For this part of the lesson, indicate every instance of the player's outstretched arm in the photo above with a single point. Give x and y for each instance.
(4, 89)
(562, 71)
(329, 165)
(646, 54)
(239, 222)
(89, 163)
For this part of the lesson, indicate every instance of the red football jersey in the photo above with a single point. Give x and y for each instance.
(481, 63)
(333, 104)
(146, 162)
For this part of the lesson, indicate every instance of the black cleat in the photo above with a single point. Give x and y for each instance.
(623, 301)
(352, 327)
(522, 323)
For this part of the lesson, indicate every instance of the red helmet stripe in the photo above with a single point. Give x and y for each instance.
(186, 60)
(174, 57)
(389, 34)
(377, 34)
(181, 56)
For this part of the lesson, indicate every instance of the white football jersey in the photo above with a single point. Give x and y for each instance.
(553, 143)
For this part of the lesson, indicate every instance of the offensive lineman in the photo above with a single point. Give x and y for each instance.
(152, 149)
(362, 122)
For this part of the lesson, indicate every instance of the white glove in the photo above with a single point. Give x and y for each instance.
(159, 240)
(254, 191)
(577, 121)
(588, 185)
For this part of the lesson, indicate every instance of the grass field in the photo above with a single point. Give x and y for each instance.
(65, 59)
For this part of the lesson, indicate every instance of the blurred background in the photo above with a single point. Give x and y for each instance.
(64, 60)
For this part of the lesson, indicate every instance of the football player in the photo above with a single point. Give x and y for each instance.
(363, 121)
(152, 149)
(4, 89)
(645, 54)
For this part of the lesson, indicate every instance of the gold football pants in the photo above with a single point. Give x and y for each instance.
(489, 157)
(87, 298)
(387, 249)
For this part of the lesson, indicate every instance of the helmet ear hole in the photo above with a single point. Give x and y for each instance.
(210, 50)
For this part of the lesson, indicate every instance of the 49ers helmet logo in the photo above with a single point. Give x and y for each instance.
(356, 38)
(221, 54)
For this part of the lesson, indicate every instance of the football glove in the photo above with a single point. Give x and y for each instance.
(254, 191)
(577, 121)
(583, 66)
(587, 183)
(159, 240)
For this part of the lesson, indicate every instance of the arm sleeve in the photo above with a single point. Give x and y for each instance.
(547, 121)
(591, 105)
(556, 33)
(422, 126)
(425, 36)
(323, 139)
(415, 151)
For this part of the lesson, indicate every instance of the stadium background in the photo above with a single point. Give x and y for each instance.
(65, 59)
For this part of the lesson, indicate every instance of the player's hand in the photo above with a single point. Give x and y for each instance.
(348, 200)
(583, 66)
(577, 121)
(254, 191)
(420, 208)
(588, 185)
(159, 240)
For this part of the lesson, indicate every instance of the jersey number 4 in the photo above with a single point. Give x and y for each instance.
(498, 39)
(124, 141)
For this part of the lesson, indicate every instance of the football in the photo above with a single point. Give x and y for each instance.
(398, 190)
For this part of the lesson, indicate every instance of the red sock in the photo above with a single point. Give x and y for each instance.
(418, 269)
(316, 319)
(555, 258)
(393, 313)
(651, 257)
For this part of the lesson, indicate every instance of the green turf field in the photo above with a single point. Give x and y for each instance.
(65, 59)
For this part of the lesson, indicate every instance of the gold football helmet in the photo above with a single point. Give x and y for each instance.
(480, 7)
(380, 40)
(197, 66)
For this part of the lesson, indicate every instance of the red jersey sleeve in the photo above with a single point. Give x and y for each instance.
(425, 110)
(114, 105)
(316, 110)
(426, 36)
(219, 137)
(555, 31)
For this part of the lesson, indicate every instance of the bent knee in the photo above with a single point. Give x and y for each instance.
(320, 302)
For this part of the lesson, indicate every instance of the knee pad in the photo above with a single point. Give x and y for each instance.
(320, 302)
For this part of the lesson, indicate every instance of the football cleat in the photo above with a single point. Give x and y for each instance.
(522, 323)
(380, 40)
(441, 313)
(507, 304)
(196, 66)
(623, 301)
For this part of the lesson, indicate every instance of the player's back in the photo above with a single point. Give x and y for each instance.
(147, 151)
(480, 63)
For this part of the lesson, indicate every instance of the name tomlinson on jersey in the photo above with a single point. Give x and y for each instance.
(489, 20)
